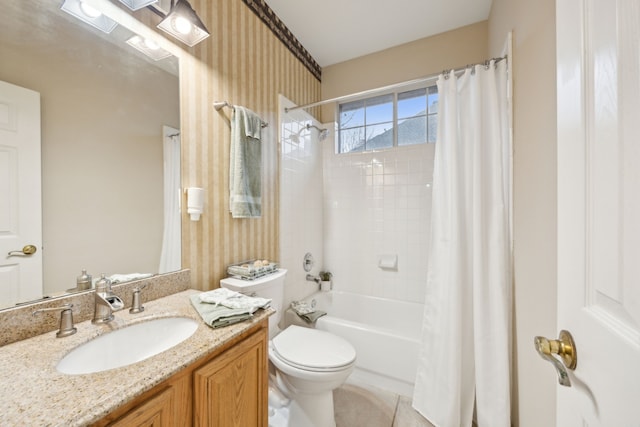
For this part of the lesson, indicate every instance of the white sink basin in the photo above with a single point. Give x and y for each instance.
(127, 345)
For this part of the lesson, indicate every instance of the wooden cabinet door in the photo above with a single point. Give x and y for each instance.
(232, 389)
(157, 411)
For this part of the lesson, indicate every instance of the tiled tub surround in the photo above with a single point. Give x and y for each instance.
(35, 393)
(377, 203)
(301, 199)
(18, 323)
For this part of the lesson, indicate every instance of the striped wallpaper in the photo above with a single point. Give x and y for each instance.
(244, 63)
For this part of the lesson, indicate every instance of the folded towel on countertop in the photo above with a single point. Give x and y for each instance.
(306, 312)
(218, 316)
(233, 299)
(245, 165)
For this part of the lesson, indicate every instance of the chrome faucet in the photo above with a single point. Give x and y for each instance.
(105, 302)
(312, 278)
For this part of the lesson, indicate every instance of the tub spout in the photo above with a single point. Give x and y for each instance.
(312, 278)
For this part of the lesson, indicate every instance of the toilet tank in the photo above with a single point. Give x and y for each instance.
(269, 286)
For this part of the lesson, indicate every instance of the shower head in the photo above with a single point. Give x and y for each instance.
(295, 138)
(322, 132)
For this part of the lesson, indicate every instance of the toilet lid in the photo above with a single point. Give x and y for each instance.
(313, 349)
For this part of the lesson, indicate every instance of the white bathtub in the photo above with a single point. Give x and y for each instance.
(384, 332)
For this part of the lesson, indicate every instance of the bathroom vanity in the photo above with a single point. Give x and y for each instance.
(227, 388)
(216, 377)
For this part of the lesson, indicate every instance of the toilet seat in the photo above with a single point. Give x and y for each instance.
(313, 350)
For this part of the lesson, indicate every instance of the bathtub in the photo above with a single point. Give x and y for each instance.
(384, 332)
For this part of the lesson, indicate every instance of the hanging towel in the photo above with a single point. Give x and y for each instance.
(245, 164)
(218, 316)
(232, 299)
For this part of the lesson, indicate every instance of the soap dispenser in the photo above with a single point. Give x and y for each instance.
(84, 281)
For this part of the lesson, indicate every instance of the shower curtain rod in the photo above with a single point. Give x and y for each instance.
(390, 87)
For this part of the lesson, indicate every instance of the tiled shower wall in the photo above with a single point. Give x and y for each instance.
(348, 210)
(377, 204)
(301, 207)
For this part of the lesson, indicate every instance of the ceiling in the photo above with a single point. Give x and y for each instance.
(337, 30)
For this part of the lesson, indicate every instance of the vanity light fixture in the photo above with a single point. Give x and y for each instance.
(184, 24)
(137, 4)
(89, 14)
(148, 47)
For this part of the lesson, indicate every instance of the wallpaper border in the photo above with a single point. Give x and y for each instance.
(268, 16)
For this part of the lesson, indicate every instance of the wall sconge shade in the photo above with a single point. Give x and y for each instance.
(137, 4)
(89, 14)
(148, 47)
(184, 24)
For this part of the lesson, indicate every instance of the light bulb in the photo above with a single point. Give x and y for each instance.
(182, 25)
(151, 44)
(90, 11)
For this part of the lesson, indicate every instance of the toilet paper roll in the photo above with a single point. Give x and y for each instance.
(195, 202)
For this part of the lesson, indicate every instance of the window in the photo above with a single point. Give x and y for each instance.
(389, 120)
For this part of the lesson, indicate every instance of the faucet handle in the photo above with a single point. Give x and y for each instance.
(66, 319)
(136, 305)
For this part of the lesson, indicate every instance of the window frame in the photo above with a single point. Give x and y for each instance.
(426, 85)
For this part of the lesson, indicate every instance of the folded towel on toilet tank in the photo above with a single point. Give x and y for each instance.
(233, 299)
(217, 316)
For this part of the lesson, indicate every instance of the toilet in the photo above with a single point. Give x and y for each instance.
(308, 363)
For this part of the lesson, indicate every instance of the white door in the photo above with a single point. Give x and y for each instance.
(20, 195)
(598, 82)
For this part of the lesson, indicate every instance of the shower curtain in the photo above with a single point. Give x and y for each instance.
(465, 352)
(170, 257)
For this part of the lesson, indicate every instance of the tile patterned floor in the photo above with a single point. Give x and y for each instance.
(360, 405)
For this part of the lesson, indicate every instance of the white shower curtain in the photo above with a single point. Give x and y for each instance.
(170, 257)
(466, 345)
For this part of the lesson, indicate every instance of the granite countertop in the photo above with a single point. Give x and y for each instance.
(33, 392)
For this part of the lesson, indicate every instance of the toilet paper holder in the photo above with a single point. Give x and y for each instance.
(388, 262)
(195, 202)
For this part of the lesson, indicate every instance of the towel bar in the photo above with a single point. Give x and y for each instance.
(218, 105)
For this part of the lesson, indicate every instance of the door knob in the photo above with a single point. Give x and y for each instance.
(26, 251)
(565, 348)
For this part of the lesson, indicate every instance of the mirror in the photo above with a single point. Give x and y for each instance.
(103, 109)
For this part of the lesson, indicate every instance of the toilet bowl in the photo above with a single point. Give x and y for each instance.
(308, 363)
